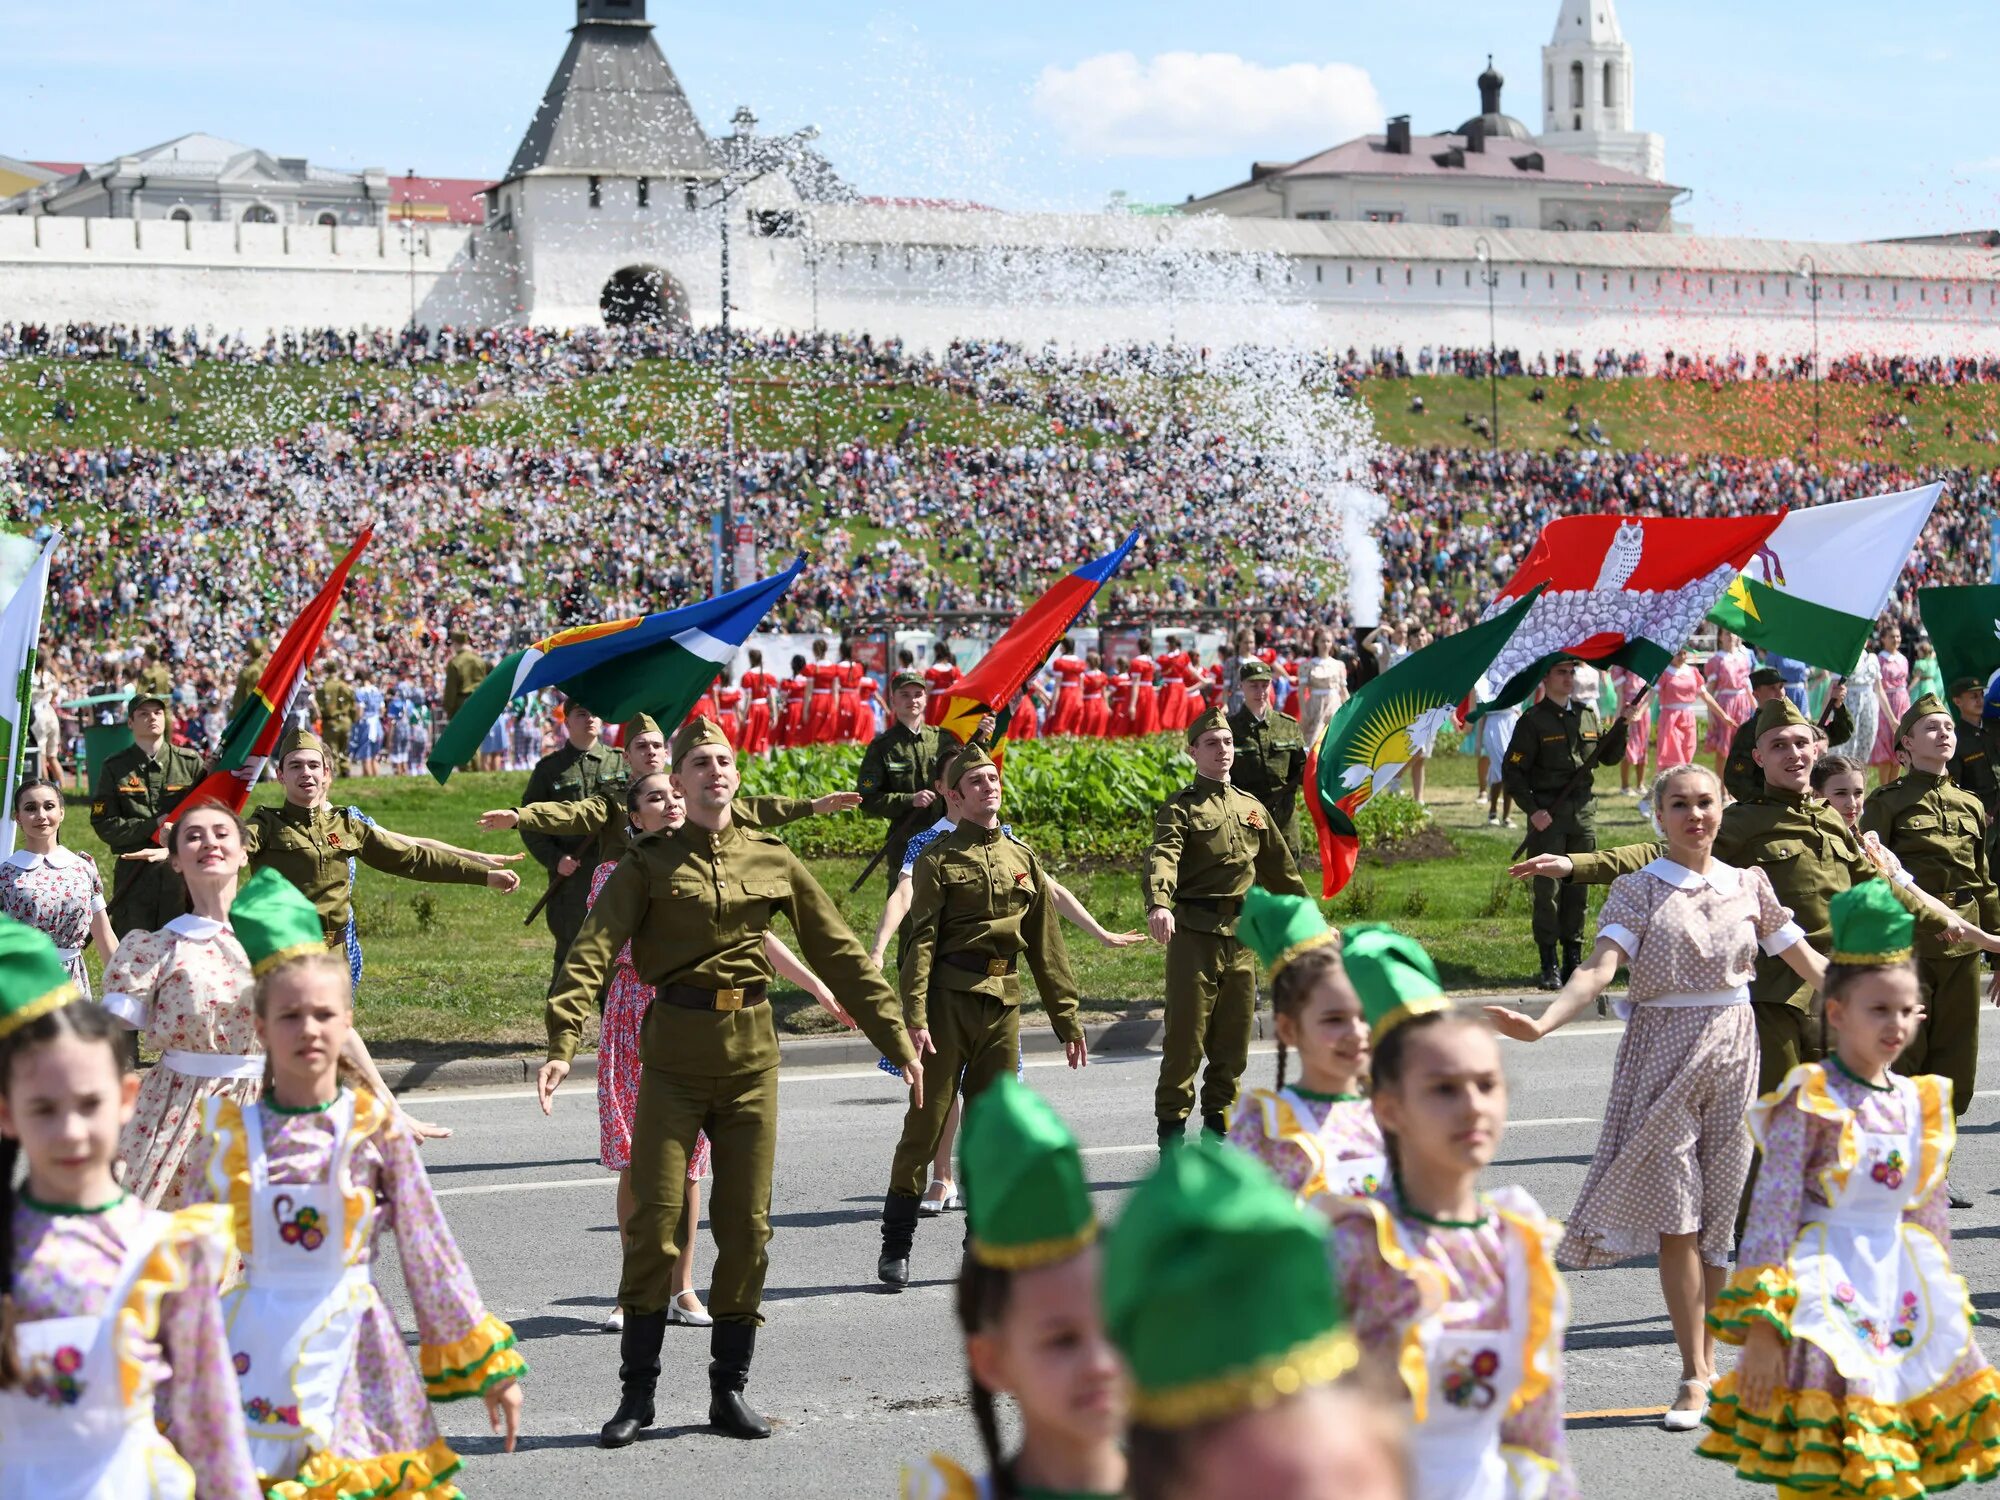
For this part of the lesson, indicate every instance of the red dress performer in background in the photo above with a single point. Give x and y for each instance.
(938, 678)
(1174, 715)
(823, 707)
(1121, 700)
(867, 711)
(1095, 721)
(1068, 670)
(729, 710)
(798, 691)
(759, 715)
(1145, 700)
(851, 673)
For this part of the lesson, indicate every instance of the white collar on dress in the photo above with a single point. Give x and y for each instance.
(1721, 878)
(195, 929)
(57, 858)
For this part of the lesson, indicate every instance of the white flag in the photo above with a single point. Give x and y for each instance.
(20, 633)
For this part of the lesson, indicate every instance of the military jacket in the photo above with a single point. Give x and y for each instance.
(979, 894)
(898, 764)
(155, 678)
(1210, 843)
(1807, 850)
(1975, 767)
(246, 682)
(133, 793)
(1270, 760)
(1549, 747)
(569, 775)
(602, 817)
(337, 708)
(1939, 833)
(695, 906)
(310, 847)
(462, 674)
(1743, 778)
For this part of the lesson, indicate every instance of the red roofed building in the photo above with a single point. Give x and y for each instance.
(438, 200)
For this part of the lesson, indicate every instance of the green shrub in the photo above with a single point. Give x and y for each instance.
(1390, 819)
(1358, 901)
(1416, 901)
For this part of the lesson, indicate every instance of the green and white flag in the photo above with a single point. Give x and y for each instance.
(20, 633)
(1822, 579)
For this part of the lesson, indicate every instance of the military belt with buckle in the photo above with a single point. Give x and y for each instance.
(978, 963)
(694, 997)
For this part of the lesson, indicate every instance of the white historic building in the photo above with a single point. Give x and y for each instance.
(1587, 92)
(616, 201)
(205, 179)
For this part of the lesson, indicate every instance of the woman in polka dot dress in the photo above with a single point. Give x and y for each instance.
(1672, 1158)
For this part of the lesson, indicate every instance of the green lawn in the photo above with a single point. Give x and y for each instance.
(453, 972)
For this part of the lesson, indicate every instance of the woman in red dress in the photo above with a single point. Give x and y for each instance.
(1121, 700)
(1096, 718)
(938, 678)
(823, 707)
(1145, 701)
(759, 695)
(729, 710)
(1068, 670)
(867, 711)
(797, 688)
(851, 673)
(1026, 723)
(1174, 715)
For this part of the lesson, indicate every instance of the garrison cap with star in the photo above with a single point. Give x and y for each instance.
(969, 759)
(33, 979)
(1213, 718)
(1278, 927)
(1254, 670)
(296, 740)
(693, 735)
(1026, 1201)
(1923, 708)
(907, 679)
(1777, 714)
(1211, 1216)
(1392, 974)
(637, 725)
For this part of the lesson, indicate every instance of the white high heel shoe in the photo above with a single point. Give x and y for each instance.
(1688, 1420)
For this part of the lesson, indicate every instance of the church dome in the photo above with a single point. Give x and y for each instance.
(1493, 123)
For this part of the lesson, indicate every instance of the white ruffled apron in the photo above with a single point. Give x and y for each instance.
(1352, 1177)
(66, 1432)
(1877, 1294)
(293, 1320)
(1471, 1377)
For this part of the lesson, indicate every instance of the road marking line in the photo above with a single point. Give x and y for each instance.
(1628, 1411)
(484, 1190)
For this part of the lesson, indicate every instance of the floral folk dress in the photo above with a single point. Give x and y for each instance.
(187, 987)
(626, 1001)
(1865, 708)
(58, 892)
(1846, 1252)
(1896, 684)
(1315, 1144)
(1672, 1156)
(1470, 1319)
(167, 1366)
(378, 1437)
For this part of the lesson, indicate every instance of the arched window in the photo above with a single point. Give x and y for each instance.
(1576, 85)
(1560, 225)
(260, 213)
(1610, 86)
(1631, 227)
(180, 216)
(1596, 226)
(329, 220)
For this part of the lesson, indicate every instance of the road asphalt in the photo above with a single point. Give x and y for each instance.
(859, 1380)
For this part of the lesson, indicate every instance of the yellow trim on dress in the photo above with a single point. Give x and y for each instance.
(1538, 1356)
(938, 1479)
(471, 1365)
(168, 1269)
(1411, 1363)
(229, 1165)
(1940, 1134)
(421, 1474)
(370, 1115)
(1767, 1292)
(1318, 1361)
(1808, 1082)
(1282, 1123)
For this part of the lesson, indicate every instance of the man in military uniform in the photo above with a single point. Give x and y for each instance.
(1210, 843)
(980, 905)
(249, 672)
(696, 903)
(135, 789)
(1551, 743)
(600, 820)
(1741, 777)
(575, 771)
(899, 766)
(1975, 765)
(1270, 751)
(338, 714)
(1939, 833)
(154, 677)
(1807, 850)
(462, 675)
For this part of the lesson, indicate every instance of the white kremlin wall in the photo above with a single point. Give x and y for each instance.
(930, 275)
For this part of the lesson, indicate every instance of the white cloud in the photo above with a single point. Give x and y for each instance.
(1205, 104)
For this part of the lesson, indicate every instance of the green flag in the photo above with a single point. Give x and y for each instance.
(1964, 626)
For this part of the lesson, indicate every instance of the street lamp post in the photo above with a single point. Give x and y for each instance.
(777, 155)
(1810, 270)
(410, 237)
(1491, 276)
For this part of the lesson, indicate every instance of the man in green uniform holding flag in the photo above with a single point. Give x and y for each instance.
(1270, 751)
(135, 788)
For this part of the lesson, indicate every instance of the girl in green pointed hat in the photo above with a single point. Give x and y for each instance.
(316, 1169)
(1860, 1373)
(1316, 1130)
(106, 1305)
(1455, 1293)
(1028, 1305)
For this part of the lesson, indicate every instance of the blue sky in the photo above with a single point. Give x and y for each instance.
(1832, 120)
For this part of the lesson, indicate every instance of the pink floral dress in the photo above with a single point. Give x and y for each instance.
(1639, 738)
(1895, 683)
(626, 1001)
(1469, 1320)
(187, 988)
(58, 892)
(1728, 674)
(1313, 1143)
(1680, 695)
(383, 1438)
(171, 1354)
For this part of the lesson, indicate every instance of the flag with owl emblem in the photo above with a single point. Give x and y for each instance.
(1624, 591)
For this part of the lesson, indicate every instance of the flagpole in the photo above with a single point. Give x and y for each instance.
(20, 636)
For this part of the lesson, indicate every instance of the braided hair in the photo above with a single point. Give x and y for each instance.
(1294, 986)
(984, 1293)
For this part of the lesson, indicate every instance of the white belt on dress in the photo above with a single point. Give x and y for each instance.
(69, 955)
(229, 1065)
(1706, 1000)
(1677, 708)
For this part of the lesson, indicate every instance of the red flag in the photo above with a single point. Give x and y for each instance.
(251, 736)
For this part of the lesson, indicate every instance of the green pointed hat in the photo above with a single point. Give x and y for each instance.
(1025, 1198)
(33, 980)
(1870, 926)
(1212, 1218)
(274, 922)
(1280, 928)
(1923, 708)
(1392, 974)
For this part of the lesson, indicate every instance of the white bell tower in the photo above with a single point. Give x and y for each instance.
(1587, 92)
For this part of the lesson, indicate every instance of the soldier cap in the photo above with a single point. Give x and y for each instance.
(1960, 686)
(640, 724)
(1923, 708)
(693, 735)
(141, 698)
(1214, 718)
(296, 740)
(1254, 670)
(1779, 713)
(1767, 677)
(971, 758)
(907, 679)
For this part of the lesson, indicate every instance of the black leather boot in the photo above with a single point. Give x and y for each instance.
(1572, 959)
(730, 1347)
(1551, 979)
(1214, 1124)
(1172, 1132)
(899, 1233)
(638, 1377)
